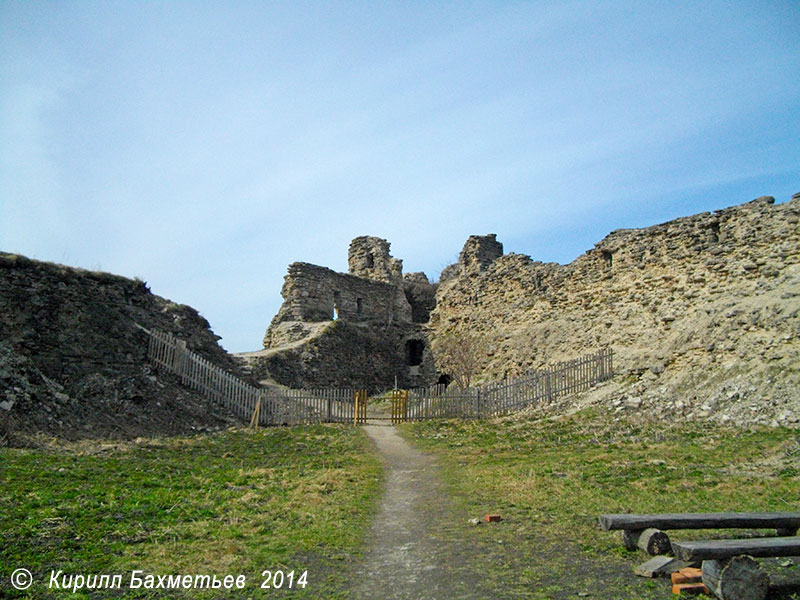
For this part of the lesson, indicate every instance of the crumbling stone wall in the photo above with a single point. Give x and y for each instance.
(369, 257)
(478, 253)
(314, 294)
(72, 362)
(702, 312)
(344, 354)
(362, 328)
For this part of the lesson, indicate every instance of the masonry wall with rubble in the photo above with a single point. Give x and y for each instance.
(364, 328)
(73, 362)
(702, 312)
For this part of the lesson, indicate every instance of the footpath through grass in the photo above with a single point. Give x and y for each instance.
(234, 503)
(550, 480)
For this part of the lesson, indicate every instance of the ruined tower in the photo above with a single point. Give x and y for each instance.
(479, 252)
(369, 258)
(363, 328)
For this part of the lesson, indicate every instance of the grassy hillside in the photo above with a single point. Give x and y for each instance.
(234, 503)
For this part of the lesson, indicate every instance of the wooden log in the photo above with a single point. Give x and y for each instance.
(722, 549)
(744, 520)
(630, 537)
(739, 578)
(652, 541)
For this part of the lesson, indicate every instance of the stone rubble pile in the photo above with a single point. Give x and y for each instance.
(73, 363)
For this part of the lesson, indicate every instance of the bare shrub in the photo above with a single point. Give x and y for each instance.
(458, 354)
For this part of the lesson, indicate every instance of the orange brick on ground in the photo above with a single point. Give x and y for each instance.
(691, 572)
(689, 588)
(687, 575)
(493, 518)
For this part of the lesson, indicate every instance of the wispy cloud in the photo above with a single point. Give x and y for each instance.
(205, 147)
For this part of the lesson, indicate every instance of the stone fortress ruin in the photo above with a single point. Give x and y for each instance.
(701, 312)
(365, 328)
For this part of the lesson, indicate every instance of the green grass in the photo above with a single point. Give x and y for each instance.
(240, 502)
(237, 502)
(550, 480)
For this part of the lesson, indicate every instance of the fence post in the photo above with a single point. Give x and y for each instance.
(548, 386)
(604, 371)
(179, 357)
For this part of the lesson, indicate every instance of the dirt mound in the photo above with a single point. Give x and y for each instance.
(73, 362)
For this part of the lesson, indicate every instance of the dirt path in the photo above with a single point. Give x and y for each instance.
(412, 554)
(423, 547)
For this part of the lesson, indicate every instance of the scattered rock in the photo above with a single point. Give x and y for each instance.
(657, 369)
(633, 403)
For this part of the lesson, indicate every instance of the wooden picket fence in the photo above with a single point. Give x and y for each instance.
(294, 407)
(510, 395)
(250, 403)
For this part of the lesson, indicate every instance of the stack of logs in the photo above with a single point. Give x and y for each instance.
(728, 568)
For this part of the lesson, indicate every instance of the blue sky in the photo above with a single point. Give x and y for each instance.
(204, 146)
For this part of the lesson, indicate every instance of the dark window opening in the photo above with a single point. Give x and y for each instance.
(608, 257)
(414, 350)
(444, 379)
(359, 306)
(370, 261)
